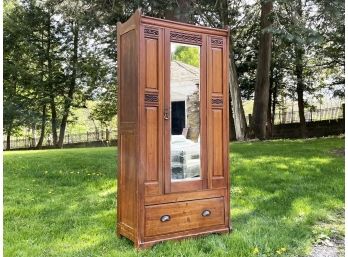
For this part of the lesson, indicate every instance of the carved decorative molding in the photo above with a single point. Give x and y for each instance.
(180, 37)
(216, 42)
(217, 102)
(150, 32)
(151, 98)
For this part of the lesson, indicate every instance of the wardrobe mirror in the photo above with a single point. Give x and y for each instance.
(185, 112)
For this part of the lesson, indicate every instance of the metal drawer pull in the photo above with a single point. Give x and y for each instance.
(165, 218)
(206, 213)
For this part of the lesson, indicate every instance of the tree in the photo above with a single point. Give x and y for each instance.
(188, 55)
(222, 14)
(311, 37)
(262, 75)
(21, 74)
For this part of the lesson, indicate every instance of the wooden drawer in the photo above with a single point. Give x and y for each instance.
(183, 216)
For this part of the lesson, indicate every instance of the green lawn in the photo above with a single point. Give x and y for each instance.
(285, 196)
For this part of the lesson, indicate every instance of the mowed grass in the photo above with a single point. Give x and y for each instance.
(285, 196)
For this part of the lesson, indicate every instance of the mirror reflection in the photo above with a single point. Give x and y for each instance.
(185, 112)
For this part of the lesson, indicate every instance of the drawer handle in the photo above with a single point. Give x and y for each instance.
(206, 213)
(165, 218)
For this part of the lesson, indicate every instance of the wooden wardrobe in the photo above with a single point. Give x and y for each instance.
(173, 142)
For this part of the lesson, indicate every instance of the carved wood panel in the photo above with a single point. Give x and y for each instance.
(217, 102)
(180, 37)
(151, 32)
(151, 98)
(217, 42)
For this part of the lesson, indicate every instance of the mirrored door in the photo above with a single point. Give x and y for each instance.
(184, 103)
(185, 113)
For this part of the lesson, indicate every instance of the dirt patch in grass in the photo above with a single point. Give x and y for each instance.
(329, 248)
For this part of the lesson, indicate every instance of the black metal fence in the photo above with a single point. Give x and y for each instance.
(312, 115)
(333, 113)
(104, 136)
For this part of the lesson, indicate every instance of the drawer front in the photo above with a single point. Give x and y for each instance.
(181, 216)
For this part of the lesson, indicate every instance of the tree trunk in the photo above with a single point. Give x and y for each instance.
(43, 126)
(53, 120)
(8, 141)
(231, 126)
(8, 136)
(69, 98)
(262, 74)
(239, 120)
(299, 52)
(49, 82)
(269, 109)
(300, 89)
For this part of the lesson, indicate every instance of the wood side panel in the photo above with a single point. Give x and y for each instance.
(217, 70)
(128, 78)
(151, 57)
(127, 142)
(183, 216)
(217, 143)
(151, 143)
(128, 113)
(128, 179)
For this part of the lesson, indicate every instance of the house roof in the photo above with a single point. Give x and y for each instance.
(184, 80)
(180, 71)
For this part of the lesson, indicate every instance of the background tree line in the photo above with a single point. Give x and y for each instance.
(58, 54)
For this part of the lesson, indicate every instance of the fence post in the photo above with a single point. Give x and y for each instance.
(343, 111)
(107, 135)
(250, 118)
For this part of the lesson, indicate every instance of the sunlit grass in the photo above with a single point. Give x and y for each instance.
(285, 195)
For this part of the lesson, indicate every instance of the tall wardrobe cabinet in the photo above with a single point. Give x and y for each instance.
(173, 165)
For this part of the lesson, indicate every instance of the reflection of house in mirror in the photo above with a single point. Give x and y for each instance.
(184, 94)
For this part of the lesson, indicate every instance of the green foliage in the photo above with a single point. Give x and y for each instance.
(284, 196)
(21, 73)
(34, 74)
(186, 54)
